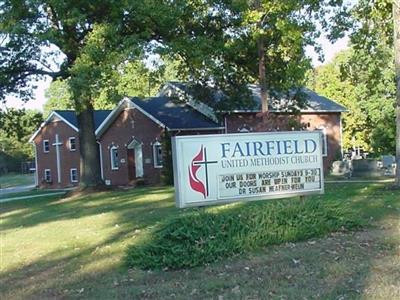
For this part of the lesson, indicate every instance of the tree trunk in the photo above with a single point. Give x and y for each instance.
(261, 74)
(90, 159)
(396, 19)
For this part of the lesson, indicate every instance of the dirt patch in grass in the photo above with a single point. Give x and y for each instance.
(362, 264)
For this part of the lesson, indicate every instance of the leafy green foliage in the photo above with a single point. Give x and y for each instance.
(228, 57)
(363, 79)
(202, 237)
(132, 79)
(19, 123)
(214, 39)
(369, 97)
(58, 96)
(83, 42)
(16, 127)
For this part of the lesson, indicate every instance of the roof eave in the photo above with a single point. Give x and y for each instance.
(149, 115)
(283, 111)
(197, 129)
(44, 123)
(110, 118)
(123, 104)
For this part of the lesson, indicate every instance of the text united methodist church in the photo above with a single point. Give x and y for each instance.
(130, 136)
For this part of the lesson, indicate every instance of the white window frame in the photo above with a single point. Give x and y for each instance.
(322, 129)
(157, 145)
(69, 143)
(70, 174)
(45, 175)
(48, 146)
(114, 167)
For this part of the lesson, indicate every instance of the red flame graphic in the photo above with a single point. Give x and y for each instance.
(195, 183)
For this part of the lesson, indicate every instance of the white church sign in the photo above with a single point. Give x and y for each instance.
(211, 169)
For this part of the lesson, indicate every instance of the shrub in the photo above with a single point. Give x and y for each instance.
(207, 235)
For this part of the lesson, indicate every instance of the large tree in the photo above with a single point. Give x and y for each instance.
(359, 81)
(263, 42)
(396, 21)
(83, 42)
(216, 41)
(135, 78)
(376, 27)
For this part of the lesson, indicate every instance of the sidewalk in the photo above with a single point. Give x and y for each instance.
(16, 189)
(31, 196)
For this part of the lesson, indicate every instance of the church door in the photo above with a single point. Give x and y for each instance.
(131, 165)
(135, 160)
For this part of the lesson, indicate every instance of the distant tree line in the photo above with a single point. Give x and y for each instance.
(16, 127)
(363, 79)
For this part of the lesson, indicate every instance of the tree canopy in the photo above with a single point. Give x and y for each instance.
(222, 42)
(363, 79)
(134, 79)
(81, 42)
(370, 122)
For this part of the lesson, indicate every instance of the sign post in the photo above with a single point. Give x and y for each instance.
(225, 168)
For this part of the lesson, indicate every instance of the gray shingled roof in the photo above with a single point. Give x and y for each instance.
(70, 116)
(175, 115)
(315, 102)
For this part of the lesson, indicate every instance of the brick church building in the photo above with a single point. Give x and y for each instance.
(130, 136)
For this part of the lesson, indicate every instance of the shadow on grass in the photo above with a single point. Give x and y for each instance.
(127, 204)
(64, 269)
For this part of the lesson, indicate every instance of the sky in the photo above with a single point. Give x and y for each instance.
(329, 49)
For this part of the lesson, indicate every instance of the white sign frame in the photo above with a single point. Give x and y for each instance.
(179, 150)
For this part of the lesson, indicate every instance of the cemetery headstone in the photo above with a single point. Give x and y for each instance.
(341, 168)
(366, 168)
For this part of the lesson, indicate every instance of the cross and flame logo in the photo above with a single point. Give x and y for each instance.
(198, 161)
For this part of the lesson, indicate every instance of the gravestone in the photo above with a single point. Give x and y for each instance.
(366, 168)
(341, 168)
(388, 163)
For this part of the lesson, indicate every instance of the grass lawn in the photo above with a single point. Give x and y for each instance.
(13, 179)
(58, 247)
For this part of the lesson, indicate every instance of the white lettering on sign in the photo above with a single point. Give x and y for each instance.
(267, 183)
(210, 169)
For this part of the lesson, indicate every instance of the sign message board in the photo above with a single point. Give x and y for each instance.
(223, 168)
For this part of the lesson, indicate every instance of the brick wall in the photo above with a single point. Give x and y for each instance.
(331, 122)
(120, 134)
(68, 159)
(279, 122)
(132, 124)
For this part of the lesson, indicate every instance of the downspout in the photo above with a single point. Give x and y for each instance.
(341, 134)
(36, 165)
(101, 160)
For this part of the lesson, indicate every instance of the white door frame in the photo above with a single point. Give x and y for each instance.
(137, 147)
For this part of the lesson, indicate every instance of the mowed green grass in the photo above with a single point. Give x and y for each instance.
(75, 247)
(12, 179)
